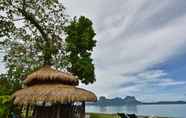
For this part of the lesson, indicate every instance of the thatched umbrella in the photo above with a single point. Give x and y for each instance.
(53, 94)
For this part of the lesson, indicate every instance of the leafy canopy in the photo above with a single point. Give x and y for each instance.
(79, 45)
(36, 32)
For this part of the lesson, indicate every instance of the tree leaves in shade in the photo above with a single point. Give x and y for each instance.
(79, 46)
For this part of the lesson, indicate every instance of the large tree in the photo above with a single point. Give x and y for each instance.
(34, 33)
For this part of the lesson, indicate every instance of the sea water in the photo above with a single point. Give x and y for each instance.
(170, 110)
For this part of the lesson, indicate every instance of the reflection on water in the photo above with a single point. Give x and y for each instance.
(131, 109)
(177, 110)
(106, 109)
(103, 109)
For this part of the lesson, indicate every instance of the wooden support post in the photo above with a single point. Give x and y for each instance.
(21, 108)
(83, 110)
(84, 107)
(58, 111)
(34, 112)
(27, 110)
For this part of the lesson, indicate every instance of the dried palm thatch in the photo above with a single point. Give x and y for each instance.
(46, 74)
(52, 93)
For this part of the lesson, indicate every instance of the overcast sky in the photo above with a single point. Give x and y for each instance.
(141, 48)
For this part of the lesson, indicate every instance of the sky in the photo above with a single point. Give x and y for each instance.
(141, 47)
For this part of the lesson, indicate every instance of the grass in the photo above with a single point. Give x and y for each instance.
(99, 115)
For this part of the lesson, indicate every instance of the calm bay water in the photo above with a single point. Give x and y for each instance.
(175, 110)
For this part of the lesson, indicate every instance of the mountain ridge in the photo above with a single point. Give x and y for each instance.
(129, 100)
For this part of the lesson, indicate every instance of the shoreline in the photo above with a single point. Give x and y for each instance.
(115, 115)
(136, 104)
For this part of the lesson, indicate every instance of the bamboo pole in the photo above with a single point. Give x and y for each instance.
(21, 109)
(27, 110)
(83, 109)
(58, 111)
(34, 112)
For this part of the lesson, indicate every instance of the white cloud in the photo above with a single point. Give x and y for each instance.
(170, 82)
(134, 36)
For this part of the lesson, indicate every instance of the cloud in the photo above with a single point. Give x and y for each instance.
(133, 38)
(170, 82)
(142, 50)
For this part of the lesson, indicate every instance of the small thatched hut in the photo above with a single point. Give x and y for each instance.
(53, 94)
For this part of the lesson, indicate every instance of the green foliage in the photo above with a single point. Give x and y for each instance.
(7, 108)
(4, 111)
(8, 86)
(99, 115)
(79, 45)
(32, 34)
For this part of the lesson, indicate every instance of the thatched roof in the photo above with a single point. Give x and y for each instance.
(51, 86)
(47, 74)
(52, 93)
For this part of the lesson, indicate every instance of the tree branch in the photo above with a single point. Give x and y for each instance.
(18, 19)
(31, 18)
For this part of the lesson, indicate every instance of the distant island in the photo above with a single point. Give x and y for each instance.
(129, 100)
